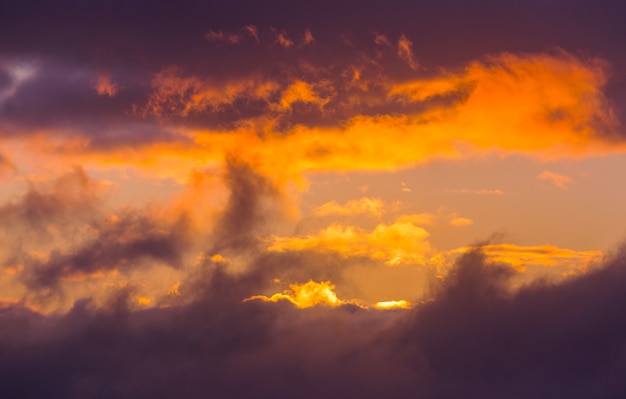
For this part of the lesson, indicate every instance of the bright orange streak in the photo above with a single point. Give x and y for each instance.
(401, 304)
(305, 295)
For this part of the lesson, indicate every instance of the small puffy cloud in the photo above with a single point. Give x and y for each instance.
(382, 39)
(559, 180)
(308, 38)
(222, 37)
(283, 40)
(253, 31)
(105, 87)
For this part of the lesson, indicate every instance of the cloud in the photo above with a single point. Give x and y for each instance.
(283, 40)
(305, 295)
(105, 87)
(308, 37)
(560, 181)
(401, 304)
(474, 338)
(363, 206)
(523, 257)
(398, 243)
(405, 51)
(457, 221)
(176, 94)
(220, 36)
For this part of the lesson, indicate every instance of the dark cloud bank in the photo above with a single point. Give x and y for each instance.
(474, 339)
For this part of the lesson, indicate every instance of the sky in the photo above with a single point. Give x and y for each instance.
(276, 199)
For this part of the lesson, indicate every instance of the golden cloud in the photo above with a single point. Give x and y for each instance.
(522, 257)
(305, 295)
(548, 106)
(395, 244)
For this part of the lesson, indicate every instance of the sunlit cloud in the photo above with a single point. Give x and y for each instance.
(305, 295)
(405, 51)
(522, 257)
(220, 36)
(105, 87)
(308, 38)
(395, 244)
(283, 40)
(559, 180)
(399, 304)
(363, 206)
(253, 31)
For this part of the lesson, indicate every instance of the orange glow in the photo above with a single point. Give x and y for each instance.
(299, 91)
(395, 244)
(521, 257)
(175, 289)
(405, 51)
(401, 304)
(363, 206)
(142, 300)
(305, 295)
(105, 87)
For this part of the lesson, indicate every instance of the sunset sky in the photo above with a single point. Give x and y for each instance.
(417, 199)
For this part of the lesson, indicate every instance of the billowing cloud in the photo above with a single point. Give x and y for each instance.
(153, 177)
(368, 352)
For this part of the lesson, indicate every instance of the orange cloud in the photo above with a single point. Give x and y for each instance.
(252, 31)
(381, 39)
(105, 87)
(405, 51)
(558, 180)
(522, 257)
(552, 105)
(548, 106)
(223, 37)
(401, 304)
(283, 40)
(305, 295)
(363, 206)
(174, 94)
(299, 91)
(395, 244)
(308, 38)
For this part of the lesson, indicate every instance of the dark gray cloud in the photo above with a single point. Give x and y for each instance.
(122, 245)
(475, 339)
